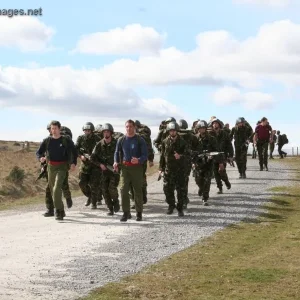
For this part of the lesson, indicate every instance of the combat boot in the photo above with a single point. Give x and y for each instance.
(244, 175)
(261, 168)
(220, 191)
(110, 211)
(88, 202)
(228, 184)
(204, 199)
(241, 176)
(59, 215)
(125, 217)
(180, 210)
(69, 203)
(170, 210)
(94, 206)
(116, 205)
(266, 168)
(139, 216)
(200, 193)
(49, 212)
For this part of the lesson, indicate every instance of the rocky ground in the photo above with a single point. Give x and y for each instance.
(42, 258)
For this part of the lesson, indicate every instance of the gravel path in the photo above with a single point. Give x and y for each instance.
(45, 259)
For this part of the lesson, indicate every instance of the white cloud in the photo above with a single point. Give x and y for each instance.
(28, 34)
(272, 3)
(132, 39)
(250, 100)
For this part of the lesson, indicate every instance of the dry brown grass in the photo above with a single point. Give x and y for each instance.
(26, 160)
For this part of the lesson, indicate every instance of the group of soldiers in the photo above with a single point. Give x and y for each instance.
(204, 150)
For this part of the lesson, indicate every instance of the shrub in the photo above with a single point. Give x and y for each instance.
(16, 175)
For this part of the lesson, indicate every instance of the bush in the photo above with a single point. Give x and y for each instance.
(16, 175)
(17, 144)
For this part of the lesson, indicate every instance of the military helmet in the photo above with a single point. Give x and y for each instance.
(108, 126)
(243, 119)
(201, 124)
(183, 124)
(172, 126)
(170, 119)
(98, 128)
(239, 120)
(218, 121)
(137, 123)
(88, 126)
(66, 131)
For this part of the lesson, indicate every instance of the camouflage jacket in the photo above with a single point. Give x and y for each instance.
(232, 132)
(104, 153)
(162, 134)
(168, 149)
(242, 135)
(87, 143)
(145, 132)
(190, 139)
(224, 142)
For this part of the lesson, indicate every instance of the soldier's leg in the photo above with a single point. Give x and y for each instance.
(260, 154)
(113, 191)
(66, 191)
(181, 191)
(188, 169)
(265, 154)
(238, 160)
(145, 199)
(272, 145)
(218, 177)
(95, 180)
(244, 163)
(199, 181)
(224, 176)
(280, 151)
(169, 189)
(100, 193)
(84, 180)
(206, 178)
(105, 181)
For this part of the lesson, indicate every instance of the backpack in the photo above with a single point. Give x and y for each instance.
(284, 139)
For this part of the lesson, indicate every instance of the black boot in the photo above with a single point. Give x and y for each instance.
(220, 191)
(49, 212)
(244, 175)
(261, 168)
(204, 199)
(69, 203)
(170, 210)
(228, 184)
(266, 168)
(88, 202)
(180, 210)
(125, 217)
(116, 205)
(110, 211)
(59, 215)
(139, 216)
(200, 193)
(241, 175)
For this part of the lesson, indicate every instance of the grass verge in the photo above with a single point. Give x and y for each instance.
(15, 203)
(259, 260)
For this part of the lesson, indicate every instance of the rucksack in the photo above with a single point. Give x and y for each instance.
(284, 139)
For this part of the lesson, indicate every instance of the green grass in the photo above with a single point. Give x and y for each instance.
(255, 260)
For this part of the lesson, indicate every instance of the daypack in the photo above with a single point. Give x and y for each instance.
(284, 139)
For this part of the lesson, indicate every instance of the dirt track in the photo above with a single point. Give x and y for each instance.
(45, 259)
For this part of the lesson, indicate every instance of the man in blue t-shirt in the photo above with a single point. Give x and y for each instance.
(130, 155)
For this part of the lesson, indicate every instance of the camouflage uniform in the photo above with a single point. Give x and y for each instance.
(272, 146)
(224, 145)
(242, 136)
(103, 153)
(90, 175)
(204, 169)
(162, 133)
(172, 168)
(192, 144)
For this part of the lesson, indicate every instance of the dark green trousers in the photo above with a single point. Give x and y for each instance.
(132, 176)
(56, 177)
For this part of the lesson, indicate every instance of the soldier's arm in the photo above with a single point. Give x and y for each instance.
(158, 140)
(162, 160)
(229, 147)
(96, 154)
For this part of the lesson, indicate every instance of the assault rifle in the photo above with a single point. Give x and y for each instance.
(103, 161)
(203, 157)
(43, 171)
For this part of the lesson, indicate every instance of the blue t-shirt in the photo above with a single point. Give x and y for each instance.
(131, 147)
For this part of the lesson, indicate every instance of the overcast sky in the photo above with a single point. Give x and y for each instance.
(108, 61)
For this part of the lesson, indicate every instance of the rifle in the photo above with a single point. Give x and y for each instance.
(88, 157)
(43, 171)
